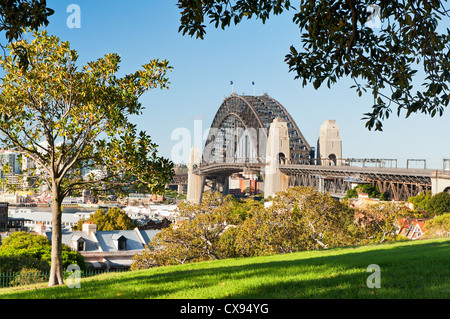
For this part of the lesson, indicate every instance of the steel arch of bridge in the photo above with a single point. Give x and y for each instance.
(240, 129)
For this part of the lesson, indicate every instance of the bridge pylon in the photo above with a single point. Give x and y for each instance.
(277, 153)
(329, 144)
(195, 182)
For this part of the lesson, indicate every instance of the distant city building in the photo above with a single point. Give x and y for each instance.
(3, 216)
(240, 185)
(11, 158)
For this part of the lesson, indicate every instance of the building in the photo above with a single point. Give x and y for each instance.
(239, 185)
(30, 218)
(411, 228)
(12, 159)
(105, 249)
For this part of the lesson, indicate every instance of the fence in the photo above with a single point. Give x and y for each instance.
(29, 277)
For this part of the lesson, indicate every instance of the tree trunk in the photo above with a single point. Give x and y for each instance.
(56, 270)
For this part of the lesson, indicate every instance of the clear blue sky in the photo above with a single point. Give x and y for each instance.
(141, 30)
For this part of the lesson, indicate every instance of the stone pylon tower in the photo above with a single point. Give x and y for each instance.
(195, 182)
(329, 144)
(277, 152)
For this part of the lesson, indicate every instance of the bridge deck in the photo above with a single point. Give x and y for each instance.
(227, 168)
(397, 174)
(422, 176)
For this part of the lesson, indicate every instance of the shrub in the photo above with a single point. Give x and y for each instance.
(421, 201)
(440, 203)
(23, 246)
(18, 263)
(368, 189)
(438, 226)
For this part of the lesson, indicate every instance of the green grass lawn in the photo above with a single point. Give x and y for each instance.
(418, 269)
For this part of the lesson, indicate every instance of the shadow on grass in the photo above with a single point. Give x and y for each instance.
(407, 271)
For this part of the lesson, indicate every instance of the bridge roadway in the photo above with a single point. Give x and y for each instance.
(421, 176)
(398, 183)
(227, 168)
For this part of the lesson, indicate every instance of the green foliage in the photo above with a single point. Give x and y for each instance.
(15, 263)
(439, 203)
(113, 219)
(223, 227)
(368, 189)
(69, 119)
(351, 193)
(173, 195)
(18, 15)
(300, 218)
(244, 208)
(81, 113)
(421, 201)
(438, 226)
(26, 250)
(336, 43)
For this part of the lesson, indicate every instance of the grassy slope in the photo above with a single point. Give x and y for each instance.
(417, 269)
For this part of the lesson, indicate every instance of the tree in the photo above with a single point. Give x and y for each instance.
(368, 189)
(32, 250)
(299, 218)
(338, 41)
(379, 221)
(113, 219)
(70, 120)
(195, 237)
(18, 15)
(439, 203)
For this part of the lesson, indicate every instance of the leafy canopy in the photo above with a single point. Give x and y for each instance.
(33, 250)
(113, 219)
(18, 15)
(70, 120)
(439, 203)
(337, 42)
(74, 123)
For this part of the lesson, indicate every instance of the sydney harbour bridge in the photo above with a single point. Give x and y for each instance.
(256, 135)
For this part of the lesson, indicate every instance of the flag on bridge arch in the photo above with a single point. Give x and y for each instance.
(231, 82)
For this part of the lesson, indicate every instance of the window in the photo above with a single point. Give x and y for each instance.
(122, 243)
(80, 245)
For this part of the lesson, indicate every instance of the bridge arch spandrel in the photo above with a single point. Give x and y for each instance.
(235, 116)
(253, 116)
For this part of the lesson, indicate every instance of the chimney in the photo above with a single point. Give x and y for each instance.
(90, 228)
(40, 229)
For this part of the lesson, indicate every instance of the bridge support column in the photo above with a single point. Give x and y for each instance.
(195, 182)
(440, 182)
(329, 144)
(277, 152)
